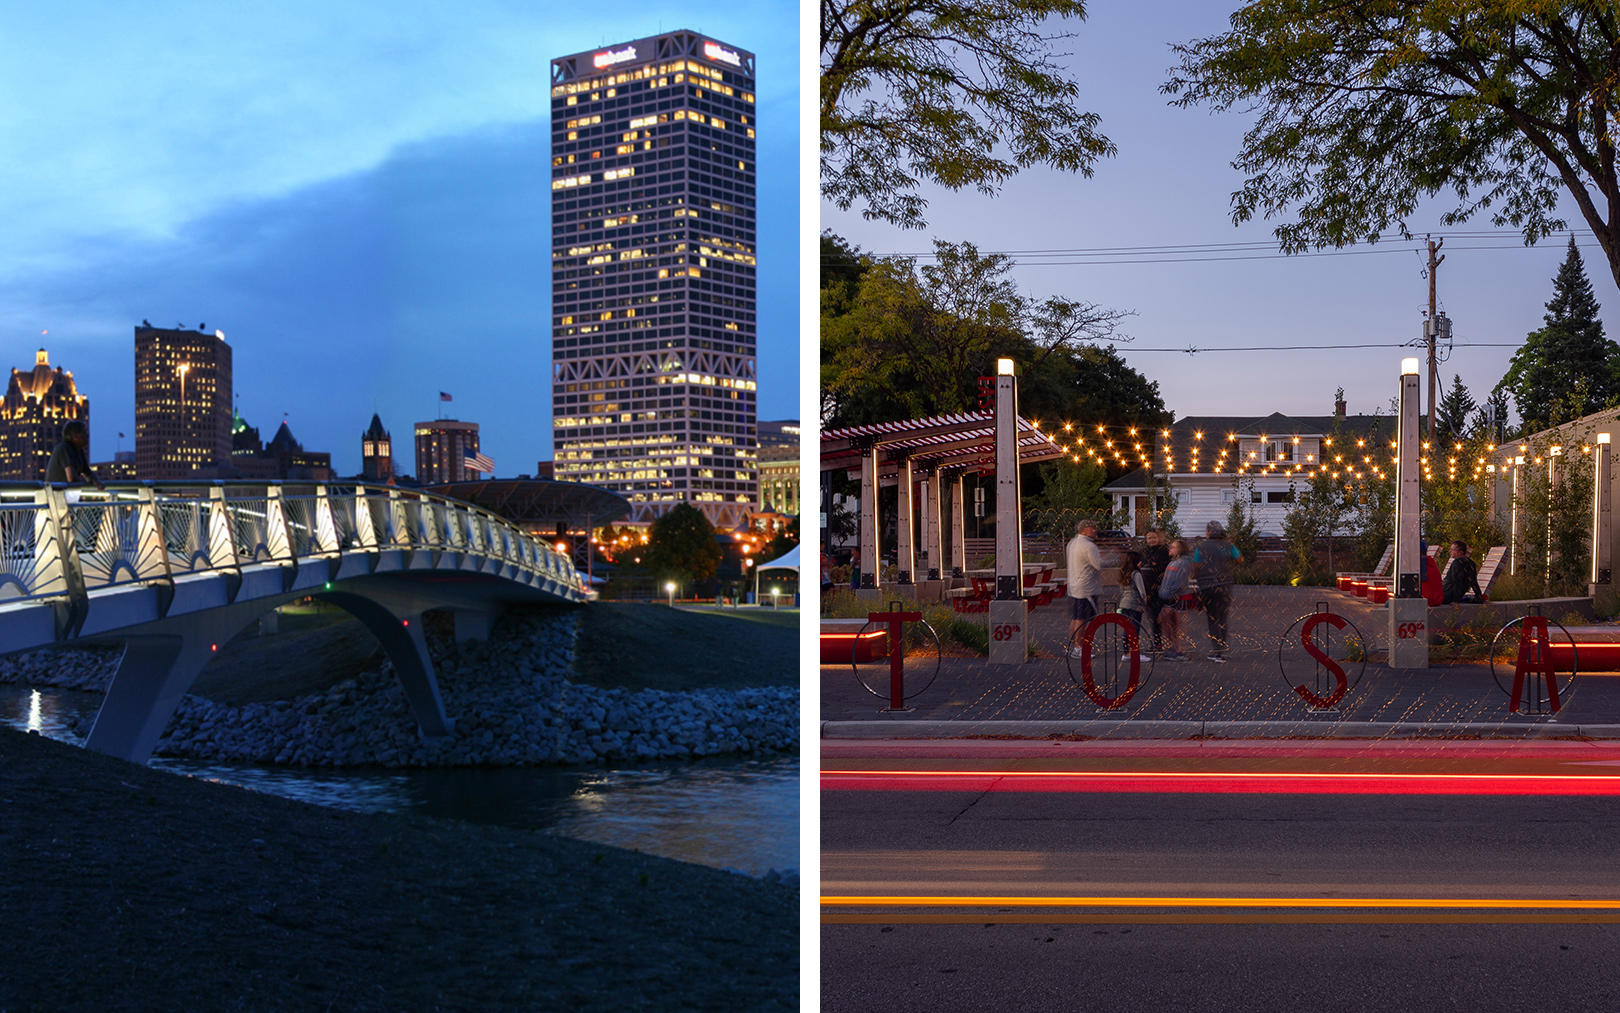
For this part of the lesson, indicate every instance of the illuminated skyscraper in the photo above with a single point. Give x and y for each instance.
(182, 402)
(653, 274)
(38, 403)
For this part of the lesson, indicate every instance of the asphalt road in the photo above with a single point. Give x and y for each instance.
(1218, 898)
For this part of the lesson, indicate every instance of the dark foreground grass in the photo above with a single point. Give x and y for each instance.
(124, 889)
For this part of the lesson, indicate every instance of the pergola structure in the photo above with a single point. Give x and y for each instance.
(932, 454)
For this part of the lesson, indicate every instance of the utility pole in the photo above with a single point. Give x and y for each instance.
(1433, 327)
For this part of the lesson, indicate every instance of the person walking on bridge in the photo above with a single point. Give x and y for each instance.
(1213, 561)
(70, 461)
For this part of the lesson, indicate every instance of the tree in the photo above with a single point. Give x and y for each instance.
(1565, 370)
(1451, 415)
(681, 545)
(1367, 107)
(903, 341)
(784, 541)
(1241, 529)
(947, 92)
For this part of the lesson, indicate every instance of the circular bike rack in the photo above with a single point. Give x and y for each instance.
(880, 667)
(1100, 661)
(1542, 693)
(1316, 646)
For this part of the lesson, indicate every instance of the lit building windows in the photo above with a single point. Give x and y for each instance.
(657, 252)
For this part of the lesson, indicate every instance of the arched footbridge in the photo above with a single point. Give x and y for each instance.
(176, 570)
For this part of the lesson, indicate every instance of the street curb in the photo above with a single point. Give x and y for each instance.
(1122, 728)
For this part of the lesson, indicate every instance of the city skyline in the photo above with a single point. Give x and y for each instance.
(366, 238)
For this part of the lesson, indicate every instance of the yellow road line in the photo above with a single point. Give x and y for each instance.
(1392, 917)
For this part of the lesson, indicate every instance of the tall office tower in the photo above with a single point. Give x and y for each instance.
(444, 450)
(652, 281)
(376, 452)
(38, 404)
(182, 401)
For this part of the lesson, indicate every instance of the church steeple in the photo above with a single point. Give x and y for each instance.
(376, 452)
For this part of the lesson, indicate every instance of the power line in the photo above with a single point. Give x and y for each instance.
(1218, 252)
(1195, 350)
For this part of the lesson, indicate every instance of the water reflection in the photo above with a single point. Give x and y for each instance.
(728, 813)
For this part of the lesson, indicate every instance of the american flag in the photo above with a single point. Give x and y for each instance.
(478, 462)
(445, 397)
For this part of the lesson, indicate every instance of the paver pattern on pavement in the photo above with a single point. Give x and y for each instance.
(976, 697)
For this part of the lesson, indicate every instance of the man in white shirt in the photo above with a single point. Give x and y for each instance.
(1084, 564)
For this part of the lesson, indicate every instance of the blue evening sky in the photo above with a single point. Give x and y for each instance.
(1170, 185)
(356, 193)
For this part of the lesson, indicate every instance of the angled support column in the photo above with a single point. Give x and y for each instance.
(158, 666)
(399, 631)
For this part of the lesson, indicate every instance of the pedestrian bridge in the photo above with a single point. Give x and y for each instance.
(177, 570)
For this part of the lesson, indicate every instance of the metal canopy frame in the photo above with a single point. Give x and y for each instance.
(925, 450)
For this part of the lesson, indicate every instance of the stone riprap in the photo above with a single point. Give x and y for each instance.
(510, 697)
(86, 668)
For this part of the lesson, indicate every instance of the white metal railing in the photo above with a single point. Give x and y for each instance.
(72, 542)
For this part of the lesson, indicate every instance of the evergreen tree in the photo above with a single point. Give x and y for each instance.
(1451, 415)
(1569, 354)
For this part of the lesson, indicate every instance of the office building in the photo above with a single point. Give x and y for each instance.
(779, 433)
(120, 469)
(653, 274)
(38, 403)
(376, 453)
(445, 451)
(779, 480)
(182, 401)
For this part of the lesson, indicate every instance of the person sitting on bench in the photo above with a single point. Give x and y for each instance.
(1461, 576)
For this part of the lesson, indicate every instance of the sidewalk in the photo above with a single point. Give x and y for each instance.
(1245, 698)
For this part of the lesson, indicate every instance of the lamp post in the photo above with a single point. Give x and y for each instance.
(1602, 523)
(1408, 609)
(670, 587)
(774, 592)
(1008, 613)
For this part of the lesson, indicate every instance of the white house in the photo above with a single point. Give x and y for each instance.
(1209, 461)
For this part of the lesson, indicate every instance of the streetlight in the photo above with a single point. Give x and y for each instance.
(670, 587)
(774, 592)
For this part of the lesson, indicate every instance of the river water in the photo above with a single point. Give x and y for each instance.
(738, 814)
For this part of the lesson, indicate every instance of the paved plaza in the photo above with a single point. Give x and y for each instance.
(1246, 697)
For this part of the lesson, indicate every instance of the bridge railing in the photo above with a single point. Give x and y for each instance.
(56, 541)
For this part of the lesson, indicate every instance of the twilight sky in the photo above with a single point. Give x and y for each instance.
(355, 193)
(1170, 186)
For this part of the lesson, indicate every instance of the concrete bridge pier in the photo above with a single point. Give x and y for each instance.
(161, 661)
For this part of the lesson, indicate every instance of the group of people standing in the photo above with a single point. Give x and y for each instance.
(1155, 587)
